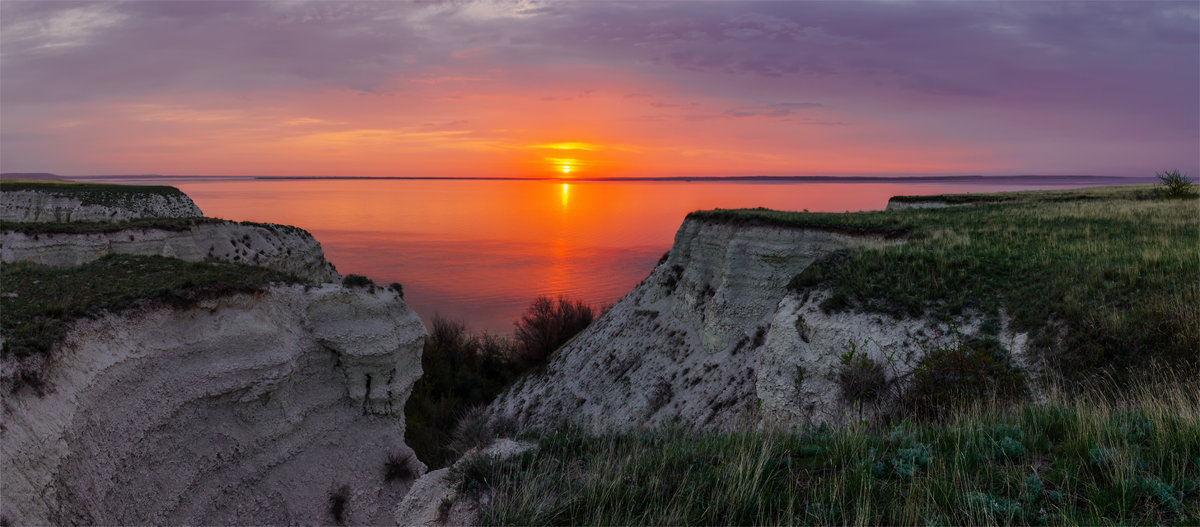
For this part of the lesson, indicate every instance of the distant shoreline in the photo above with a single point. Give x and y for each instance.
(1022, 179)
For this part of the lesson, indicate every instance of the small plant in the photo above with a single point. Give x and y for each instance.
(357, 280)
(399, 289)
(1175, 185)
(338, 498)
(399, 466)
(862, 379)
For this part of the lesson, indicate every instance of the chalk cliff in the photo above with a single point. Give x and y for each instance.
(246, 409)
(279, 247)
(99, 205)
(713, 338)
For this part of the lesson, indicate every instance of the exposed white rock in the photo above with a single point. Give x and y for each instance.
(277, 247)
(246, 409)
(797, 377)
(48, 206)
(684, 343)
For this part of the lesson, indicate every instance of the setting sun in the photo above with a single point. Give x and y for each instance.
(566, 169)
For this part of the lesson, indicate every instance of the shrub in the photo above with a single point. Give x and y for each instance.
(399, 289)
(399, 465)
(461, 371)
(1175, 185)
(962, 373)
(862, 379)
(547, 325)
(357, 280)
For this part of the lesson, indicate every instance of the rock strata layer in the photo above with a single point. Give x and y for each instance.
(247, 409)
(684, 344)
(278, 247)
(103, 206)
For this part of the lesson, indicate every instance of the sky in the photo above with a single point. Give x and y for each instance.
(599, 88)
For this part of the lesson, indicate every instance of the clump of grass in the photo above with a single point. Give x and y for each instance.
(1104, 280)
(1175, 185)
(985, 464)
(357, 281)
(38, 303)
(399, 466)
(399, 289)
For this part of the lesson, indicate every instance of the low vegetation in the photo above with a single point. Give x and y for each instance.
(38, 302)
(1104, 279)
(109, 195)
(1086, 460)
(1175, 185)
(464, 371)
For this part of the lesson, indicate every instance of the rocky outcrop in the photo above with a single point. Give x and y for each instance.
(279, 247)
(684, 344)
(94, 206)
(714, 338)
(246, 409)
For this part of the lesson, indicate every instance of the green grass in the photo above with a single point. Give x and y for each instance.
(38, 302)
(1086, 461)
(1104, 279)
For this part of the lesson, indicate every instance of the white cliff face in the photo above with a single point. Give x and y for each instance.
(685, 342)
(48, 206)
(278, 247)
(797, 378)
(247, 409)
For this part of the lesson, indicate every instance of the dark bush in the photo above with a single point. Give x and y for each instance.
(399, 289)
(1174, 184)
(461, 371)
(547, 325)
(961, 374)
(357, 280)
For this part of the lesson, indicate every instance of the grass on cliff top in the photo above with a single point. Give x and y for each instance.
(1084, 461)
(88, 193)
(1105, 278)
(38, 302)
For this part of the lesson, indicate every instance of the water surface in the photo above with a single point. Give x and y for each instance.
(481, 250)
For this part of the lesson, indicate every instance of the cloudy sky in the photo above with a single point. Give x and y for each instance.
(605, 88)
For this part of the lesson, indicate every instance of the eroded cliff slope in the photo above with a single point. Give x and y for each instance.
(279, 247)
(714, 338)
(245, 409)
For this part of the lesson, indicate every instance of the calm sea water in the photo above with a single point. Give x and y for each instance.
(480, 251)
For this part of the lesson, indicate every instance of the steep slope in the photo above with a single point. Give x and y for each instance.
(245, 409)
(685, 342)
